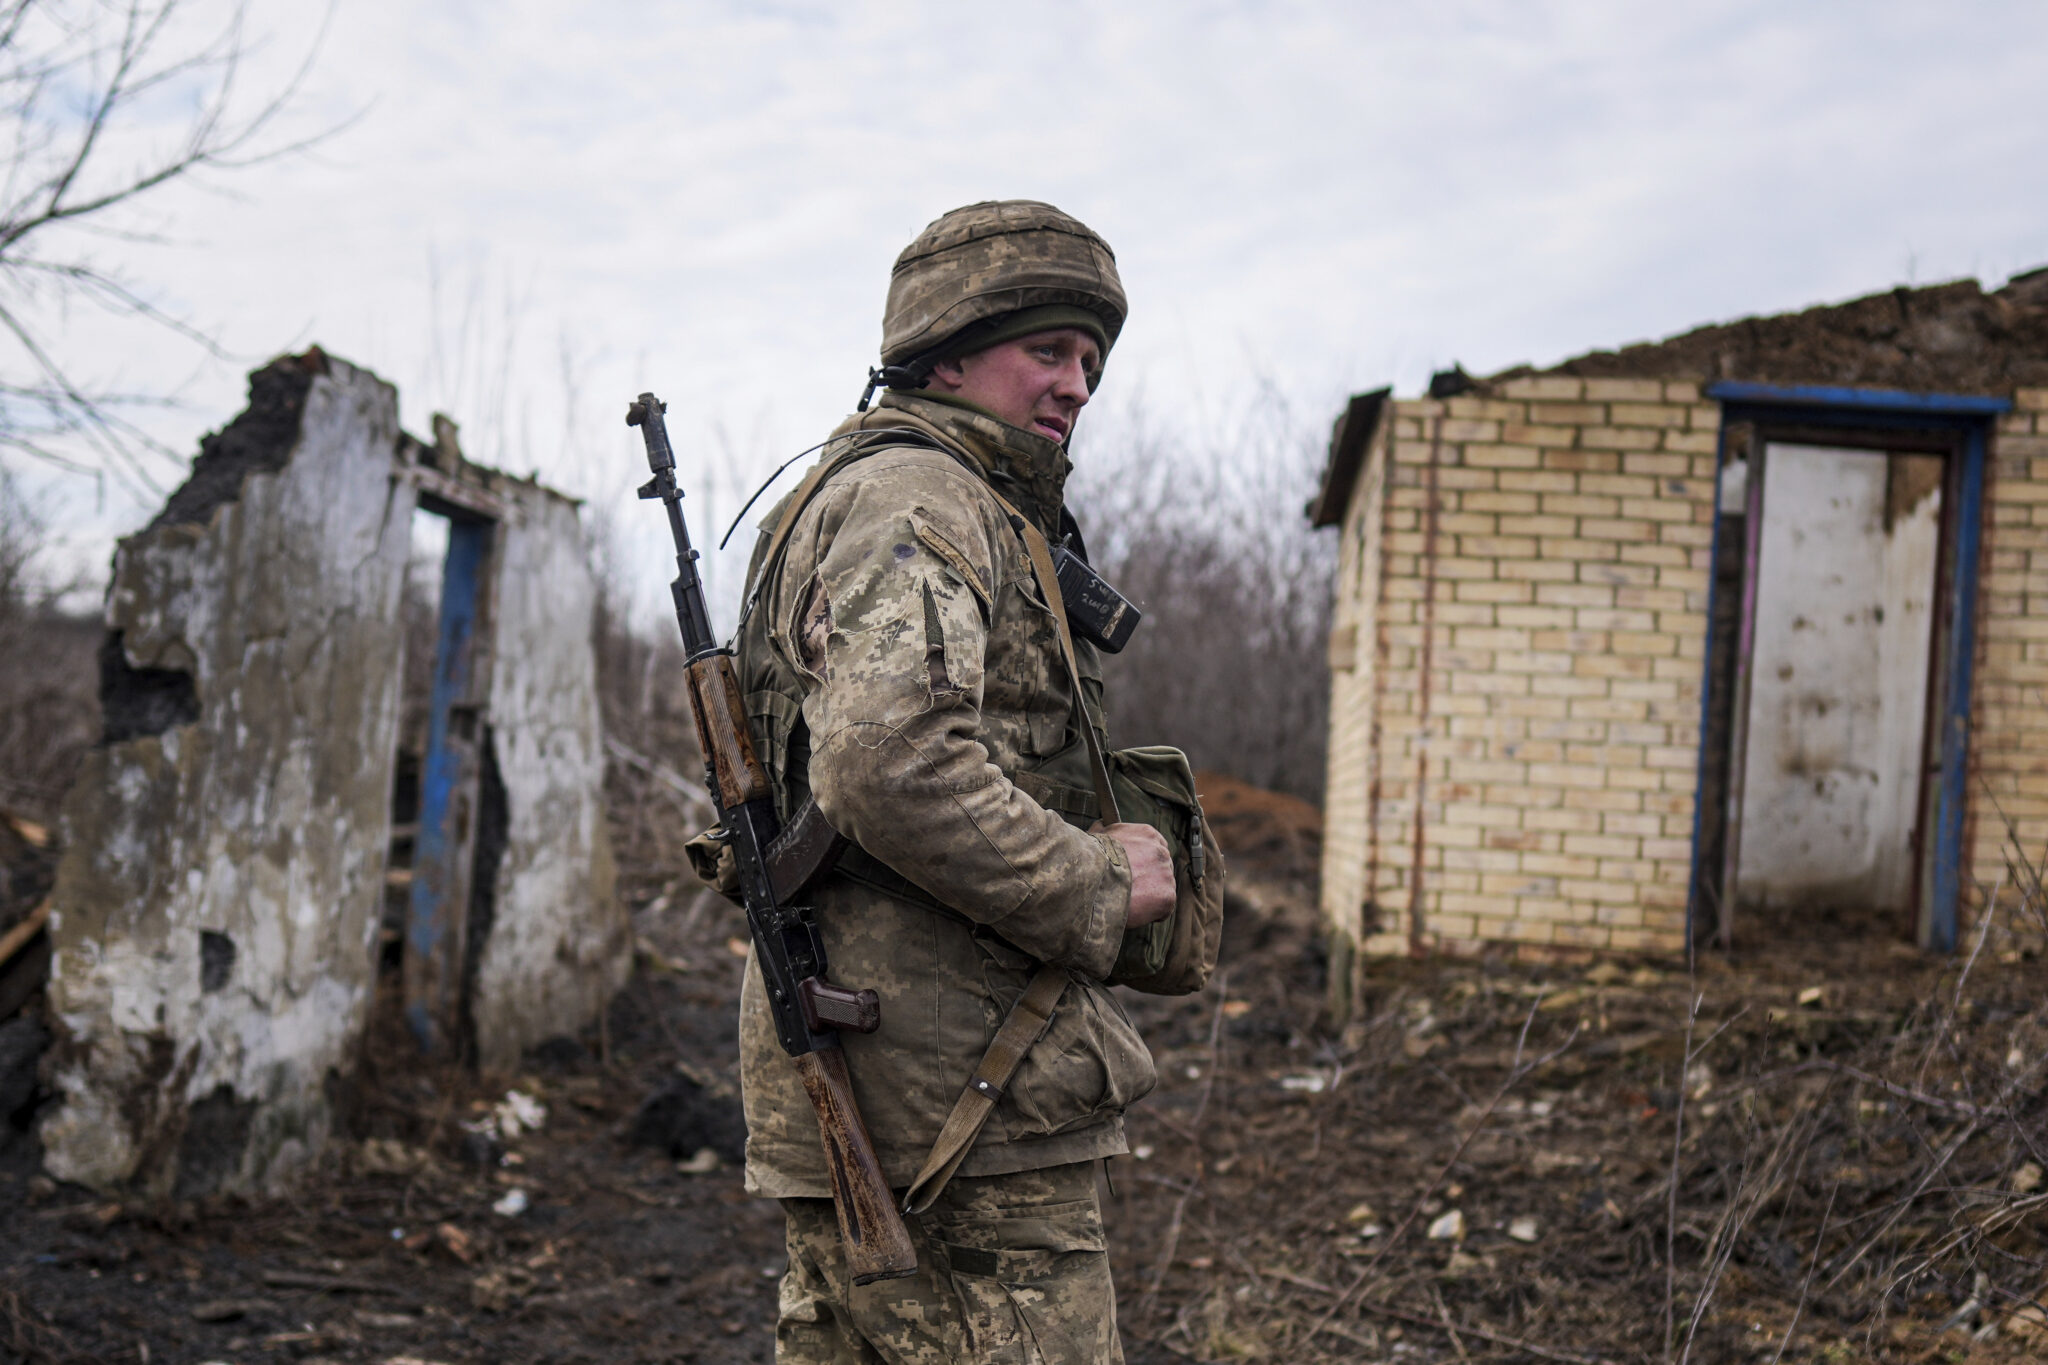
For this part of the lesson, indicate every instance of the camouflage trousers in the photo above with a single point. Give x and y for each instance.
(1011, 1270)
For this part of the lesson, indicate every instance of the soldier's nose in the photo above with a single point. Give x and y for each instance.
(1072, 386)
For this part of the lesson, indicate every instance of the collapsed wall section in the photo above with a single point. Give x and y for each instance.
(558, 946)
(217, 911)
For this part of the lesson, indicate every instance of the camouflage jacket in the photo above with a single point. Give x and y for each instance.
(901, 665)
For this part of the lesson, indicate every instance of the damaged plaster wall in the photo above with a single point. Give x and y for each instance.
(217, 910)
(558, 947)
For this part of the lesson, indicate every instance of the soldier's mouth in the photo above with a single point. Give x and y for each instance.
(1051, 426)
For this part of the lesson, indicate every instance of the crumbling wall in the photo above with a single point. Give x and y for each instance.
(557, 947)
(1956, 337)
(216, 912)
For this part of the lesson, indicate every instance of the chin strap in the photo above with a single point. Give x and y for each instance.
(892, 377)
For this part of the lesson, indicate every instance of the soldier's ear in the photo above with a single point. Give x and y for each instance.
(949, 374)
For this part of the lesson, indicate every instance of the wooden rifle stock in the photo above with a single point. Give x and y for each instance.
(790, 954)
(723, 733)
(878, 1246)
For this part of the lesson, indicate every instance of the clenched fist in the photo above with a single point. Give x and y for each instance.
(1152, 893)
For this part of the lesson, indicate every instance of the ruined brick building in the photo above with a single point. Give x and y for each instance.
(1650, 645)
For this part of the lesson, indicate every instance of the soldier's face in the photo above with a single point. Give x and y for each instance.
(1038, 382)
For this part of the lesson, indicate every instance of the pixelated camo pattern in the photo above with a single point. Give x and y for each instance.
(1011, 1270)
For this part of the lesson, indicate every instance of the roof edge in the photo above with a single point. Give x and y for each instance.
(1350, 438)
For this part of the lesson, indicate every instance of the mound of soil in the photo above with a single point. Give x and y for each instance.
(1263, 833)
(1955, 337)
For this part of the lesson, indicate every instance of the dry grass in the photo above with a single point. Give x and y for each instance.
(1830, 1147)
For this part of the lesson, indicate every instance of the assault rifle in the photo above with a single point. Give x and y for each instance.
(808, 1010)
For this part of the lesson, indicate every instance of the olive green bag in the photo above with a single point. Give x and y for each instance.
(1175, 956)
(1149, 786)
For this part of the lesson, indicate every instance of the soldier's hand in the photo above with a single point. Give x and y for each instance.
(1152, 893)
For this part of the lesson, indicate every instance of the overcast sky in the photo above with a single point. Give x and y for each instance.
(704, 198)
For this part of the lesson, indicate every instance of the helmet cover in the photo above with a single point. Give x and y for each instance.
(991, 259)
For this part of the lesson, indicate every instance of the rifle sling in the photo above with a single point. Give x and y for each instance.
(1031, 1015)
(1025, 1024)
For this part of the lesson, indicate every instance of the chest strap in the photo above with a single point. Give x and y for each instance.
(1031, 1015)
(1025, 1024)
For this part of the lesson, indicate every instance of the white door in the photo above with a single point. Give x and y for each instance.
(1838, 679)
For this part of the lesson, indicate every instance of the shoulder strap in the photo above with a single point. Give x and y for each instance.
(1025, 1024)
(785, 526)
(1049, 583)
(1031, 1015)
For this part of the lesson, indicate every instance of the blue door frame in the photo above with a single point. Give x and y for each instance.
(444, 848)
(1968, 419)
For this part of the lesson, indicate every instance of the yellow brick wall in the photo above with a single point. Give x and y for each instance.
(1347, 813)
(1570, 582)
(1560, 752)
(2009, 709)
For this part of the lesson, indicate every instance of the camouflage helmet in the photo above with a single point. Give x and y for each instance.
(987, 261)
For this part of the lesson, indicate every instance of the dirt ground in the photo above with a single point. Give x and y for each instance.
(1861, 1148)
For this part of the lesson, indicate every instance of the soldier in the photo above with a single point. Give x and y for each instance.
(902, 668)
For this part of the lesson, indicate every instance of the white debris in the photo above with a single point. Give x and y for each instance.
(2027, 1178)
(1523, 1229)
(512, 1205)
(1448, 1228)
(1309, 1082)
(703, 1162)
(519, 1113)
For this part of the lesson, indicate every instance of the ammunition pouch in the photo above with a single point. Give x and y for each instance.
(1176, 955)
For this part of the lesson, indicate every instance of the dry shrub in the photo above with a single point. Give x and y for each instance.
(1204, 530)
(49, 695)
(653, 771)
(1875, 1176)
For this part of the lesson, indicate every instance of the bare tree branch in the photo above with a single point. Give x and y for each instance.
(82, 89)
